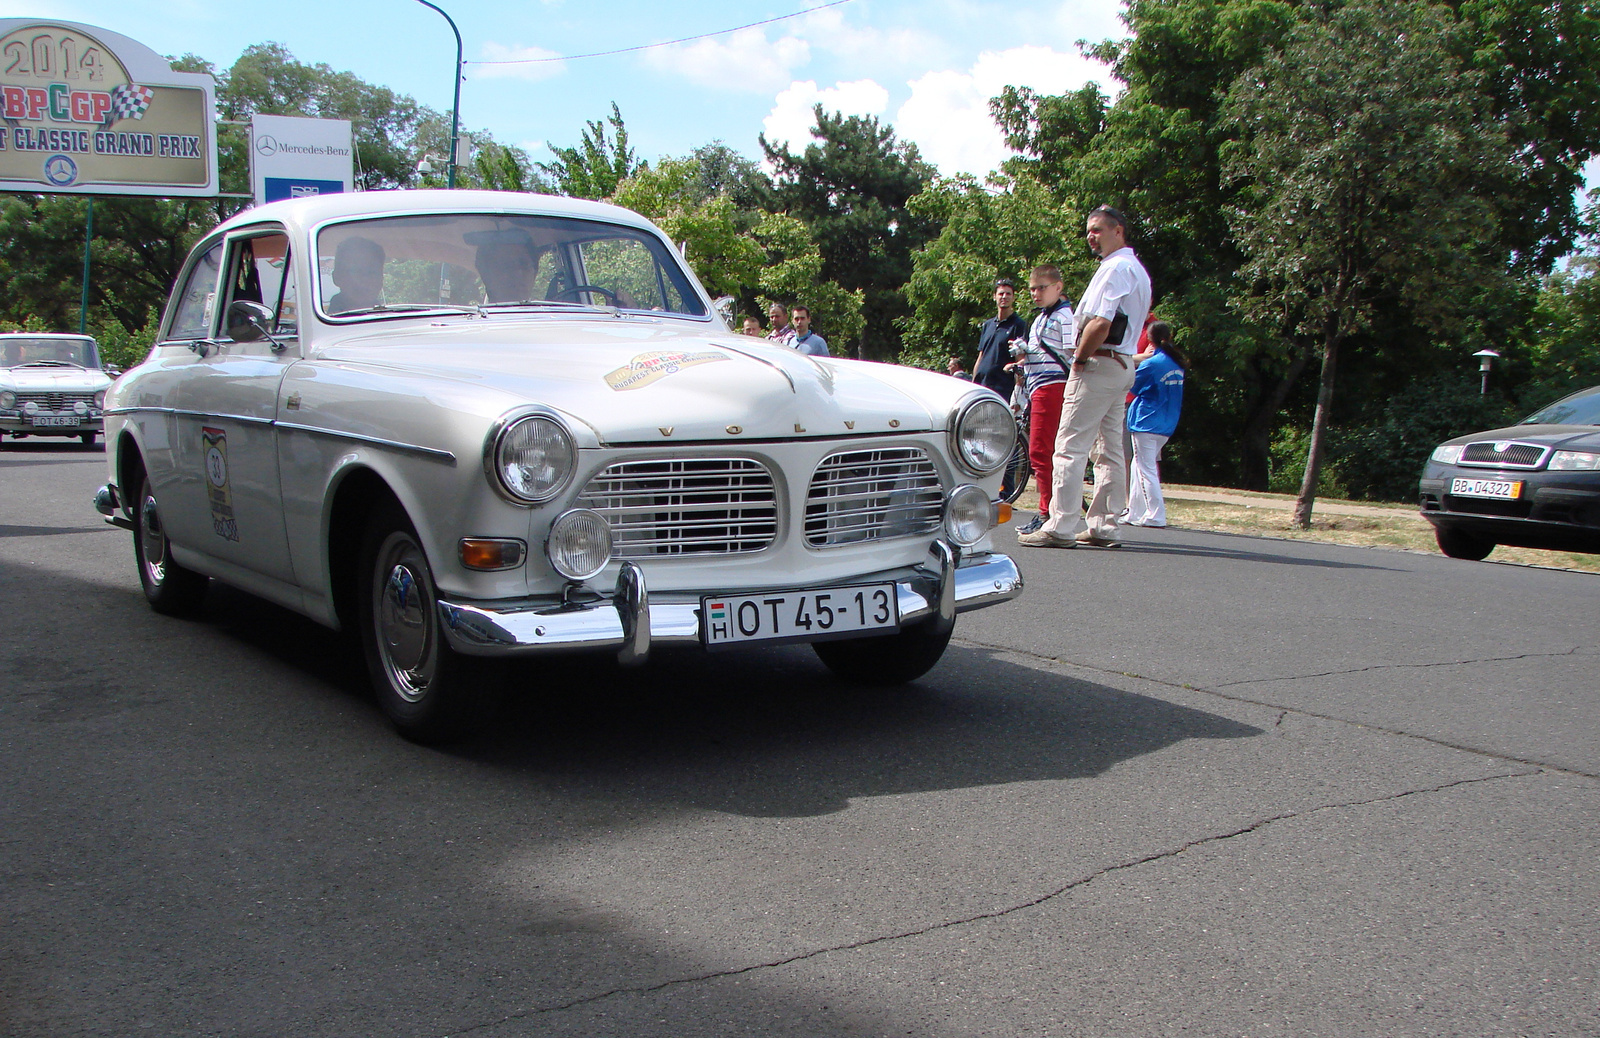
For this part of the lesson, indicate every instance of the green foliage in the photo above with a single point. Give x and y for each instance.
(1382, 458)
(123, 349)
(1564, 352)
(1290, 447)
(851, 187)
(597, 165)
(793, 274)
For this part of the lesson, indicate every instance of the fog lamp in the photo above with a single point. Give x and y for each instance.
(968, 515)
(580, 543)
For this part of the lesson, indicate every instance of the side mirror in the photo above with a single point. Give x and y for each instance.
(724, 307)
(248, 321)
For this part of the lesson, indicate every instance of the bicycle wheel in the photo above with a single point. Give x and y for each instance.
(1017, 468)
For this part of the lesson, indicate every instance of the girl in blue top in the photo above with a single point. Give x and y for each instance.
(1152, 419)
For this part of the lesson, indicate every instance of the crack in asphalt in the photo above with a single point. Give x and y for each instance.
(1574, 651)
(999, 913)
(1284, 711)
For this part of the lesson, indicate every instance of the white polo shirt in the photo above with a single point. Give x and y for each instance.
(1120, 283)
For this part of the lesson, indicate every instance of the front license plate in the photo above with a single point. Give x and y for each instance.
(799, 615)
(52, 420)
(1500, 489)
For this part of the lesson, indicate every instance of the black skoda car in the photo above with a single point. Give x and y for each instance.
(1534, 485)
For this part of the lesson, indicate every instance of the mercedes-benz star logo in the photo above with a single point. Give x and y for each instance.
(267, 145)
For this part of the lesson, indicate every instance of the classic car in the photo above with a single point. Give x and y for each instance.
(51, 385)
(1533, 485)
(472, 426)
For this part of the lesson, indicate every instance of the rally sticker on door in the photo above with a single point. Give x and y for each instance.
(651, 367)
(218, 491)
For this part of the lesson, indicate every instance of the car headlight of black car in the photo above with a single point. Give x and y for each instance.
(1448, 453)
(1574, 461)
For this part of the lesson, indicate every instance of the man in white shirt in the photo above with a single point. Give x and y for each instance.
(1110, 315)
(806, 340)
(782, 331)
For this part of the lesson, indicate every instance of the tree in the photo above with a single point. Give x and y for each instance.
(725, 258)
(597, 165)
(851, 186)
(1361, 141)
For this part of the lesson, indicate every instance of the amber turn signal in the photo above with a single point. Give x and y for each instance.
(1002, 512)
(492, 553)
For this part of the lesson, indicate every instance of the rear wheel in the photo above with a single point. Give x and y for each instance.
(1458, 544)
(87, 438)
(889, 660)
(168, 587)
(428, 691)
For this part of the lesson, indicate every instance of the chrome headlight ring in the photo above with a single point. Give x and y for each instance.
(529, 456)
(982, 434)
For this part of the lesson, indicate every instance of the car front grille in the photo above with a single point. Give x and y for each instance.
(870, 495)
(1515, 456)
(685, 506)
(54, 401)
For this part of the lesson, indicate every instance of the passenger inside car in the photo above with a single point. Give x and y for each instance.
(358, 271)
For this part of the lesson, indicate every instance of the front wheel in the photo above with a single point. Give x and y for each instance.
(427, 690)
(168, 587)
(87, 438)
(892, 659)
(1458, 544)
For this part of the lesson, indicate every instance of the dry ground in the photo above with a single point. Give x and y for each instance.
(1362, 523)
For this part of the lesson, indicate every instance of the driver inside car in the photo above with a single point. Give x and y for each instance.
(506, 268)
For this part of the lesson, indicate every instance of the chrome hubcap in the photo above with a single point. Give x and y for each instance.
(152, 542)
(404, 620)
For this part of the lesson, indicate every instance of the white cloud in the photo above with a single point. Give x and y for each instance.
(828, 32)
(791, 118)
(529, 66)
(947, 114)
(745, 60)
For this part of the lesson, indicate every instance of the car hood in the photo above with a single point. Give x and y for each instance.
(637, 381)
(50, 379)
(1570, 437)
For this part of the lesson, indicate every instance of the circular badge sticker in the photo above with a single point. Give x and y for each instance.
(60, 170)
(216, 468)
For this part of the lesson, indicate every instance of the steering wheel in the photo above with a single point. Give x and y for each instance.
(577, 290)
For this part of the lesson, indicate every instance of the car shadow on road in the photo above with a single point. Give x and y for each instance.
(769, 732)
(1213, 551)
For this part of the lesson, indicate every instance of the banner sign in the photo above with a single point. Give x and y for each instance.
(87, 111)
(291, 157)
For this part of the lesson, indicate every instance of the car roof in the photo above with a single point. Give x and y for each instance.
(304, 213)
(45, 335)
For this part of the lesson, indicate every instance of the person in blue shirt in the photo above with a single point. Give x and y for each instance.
(1152, 419)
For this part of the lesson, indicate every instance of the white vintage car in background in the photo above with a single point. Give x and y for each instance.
(51, 385)
(473, 426)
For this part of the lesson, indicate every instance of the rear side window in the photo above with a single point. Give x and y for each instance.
(1578, 409)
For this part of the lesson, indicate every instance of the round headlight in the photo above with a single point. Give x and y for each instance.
(968, 515)
(983, 435)
(8, 400)
(100, 399)
(533, 458)
(30, 407)
(80, 407)
(580, 543)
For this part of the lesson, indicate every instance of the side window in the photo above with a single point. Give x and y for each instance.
(261, 272)
(196, 302)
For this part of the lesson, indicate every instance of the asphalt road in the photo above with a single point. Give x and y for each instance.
(1201, 785)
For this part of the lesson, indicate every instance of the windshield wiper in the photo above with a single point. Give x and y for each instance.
(410, 308)
(51, 364)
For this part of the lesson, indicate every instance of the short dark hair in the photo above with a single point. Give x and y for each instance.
(796, 308)
(1005, 283)
(1112, 215)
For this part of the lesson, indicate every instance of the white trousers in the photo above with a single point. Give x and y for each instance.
(1146, 506)
(1092, 413)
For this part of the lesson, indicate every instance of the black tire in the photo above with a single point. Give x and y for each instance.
(1017, 471)
(87, 438)
(428, 691)
(169, 588)
(892, 659)
(1458, 544)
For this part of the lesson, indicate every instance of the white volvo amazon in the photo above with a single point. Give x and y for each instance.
(477, 425)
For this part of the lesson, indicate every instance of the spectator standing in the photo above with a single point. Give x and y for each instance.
(806, 340)
(958, 369)
(994, 358)
(1152, 419)
(782, 331)
(1045, 362)
(1095, 403)
(751, 326)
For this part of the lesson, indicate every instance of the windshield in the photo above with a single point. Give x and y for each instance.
(48, 351)
(1581, 408)
(471, 260)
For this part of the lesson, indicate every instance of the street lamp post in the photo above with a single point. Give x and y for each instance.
(455, 105)
(1486, 359)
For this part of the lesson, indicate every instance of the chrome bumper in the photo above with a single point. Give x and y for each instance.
(633, 620)
(108, 503)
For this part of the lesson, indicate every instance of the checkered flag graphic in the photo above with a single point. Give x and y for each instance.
(130, 102)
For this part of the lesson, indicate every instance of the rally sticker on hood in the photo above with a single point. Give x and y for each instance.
(651, 367)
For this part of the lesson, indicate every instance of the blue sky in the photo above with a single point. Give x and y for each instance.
(928, 67)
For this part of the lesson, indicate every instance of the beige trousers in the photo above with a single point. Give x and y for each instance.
(1093, 412)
